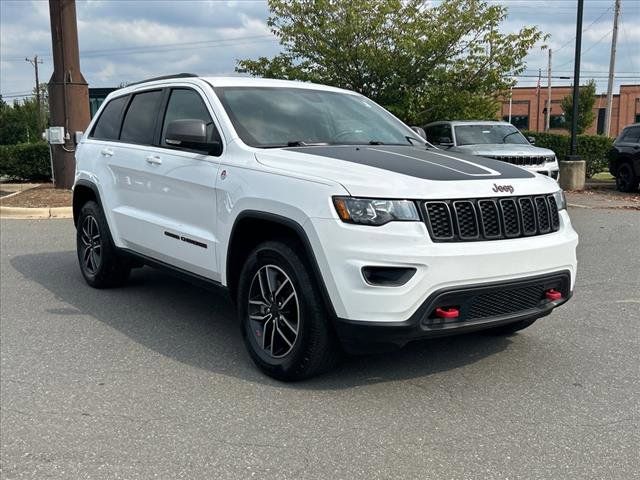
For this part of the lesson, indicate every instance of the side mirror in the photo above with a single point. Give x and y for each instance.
(532, 140)
(191, 134)
(420, 131)
(445, 142)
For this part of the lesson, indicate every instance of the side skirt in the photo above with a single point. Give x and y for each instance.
(178, 272)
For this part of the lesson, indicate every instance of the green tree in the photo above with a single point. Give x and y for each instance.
(586, 102)
(422, 63)
(19, 122)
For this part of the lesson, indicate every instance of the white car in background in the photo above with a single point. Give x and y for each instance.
(493, 139)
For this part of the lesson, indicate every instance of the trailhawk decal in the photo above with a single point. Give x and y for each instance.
(420, 163)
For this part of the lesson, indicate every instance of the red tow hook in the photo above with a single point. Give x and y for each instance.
(552, 294)
(447, 312)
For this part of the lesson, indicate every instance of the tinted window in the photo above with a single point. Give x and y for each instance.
(436, 132)
(267, 117)
(187, 104)
(488, 134)
(108, 125)
(631, 135)
(140, 118)
(521, 122)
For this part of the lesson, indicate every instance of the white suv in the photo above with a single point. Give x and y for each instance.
(331, 223)
(499, 140)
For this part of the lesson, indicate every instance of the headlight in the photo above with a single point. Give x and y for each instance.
(371, 211)
(561, 200)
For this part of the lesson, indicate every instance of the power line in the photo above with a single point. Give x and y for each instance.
(131, 50)
(591, 47)
(587, 28)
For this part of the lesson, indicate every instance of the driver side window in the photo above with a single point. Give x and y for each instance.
(187, 104)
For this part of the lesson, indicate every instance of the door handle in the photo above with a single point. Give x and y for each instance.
(153, 160)
(106, 152)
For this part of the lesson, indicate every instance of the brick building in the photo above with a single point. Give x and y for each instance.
(528, 110)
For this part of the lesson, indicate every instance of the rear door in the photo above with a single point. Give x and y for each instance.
(172, 208)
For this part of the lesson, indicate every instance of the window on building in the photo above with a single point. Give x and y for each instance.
(521, 122)
(557, 121)
(141, 117)
(637, 120)
(600, 123)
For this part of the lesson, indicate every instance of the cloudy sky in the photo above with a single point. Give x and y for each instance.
(125, 41)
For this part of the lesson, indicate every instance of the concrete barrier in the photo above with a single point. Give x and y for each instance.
(35, 213)
(573, 174)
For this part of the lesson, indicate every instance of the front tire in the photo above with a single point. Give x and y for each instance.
(100, 263)
(285, 326)
(626, 181)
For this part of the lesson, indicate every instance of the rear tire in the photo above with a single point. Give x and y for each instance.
(285, 325)
(511, 328)
(100, 263)
(626, 181)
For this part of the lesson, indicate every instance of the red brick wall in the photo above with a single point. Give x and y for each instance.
(525, 101)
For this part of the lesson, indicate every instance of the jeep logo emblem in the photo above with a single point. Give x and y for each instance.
(502, 188)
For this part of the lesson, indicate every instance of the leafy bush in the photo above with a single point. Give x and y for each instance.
(25, 161)
(592, 148)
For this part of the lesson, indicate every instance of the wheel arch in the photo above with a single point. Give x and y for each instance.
(272, 226)
(84, 191)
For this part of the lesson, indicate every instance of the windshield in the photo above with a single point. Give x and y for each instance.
(269, 117)
(484, 134)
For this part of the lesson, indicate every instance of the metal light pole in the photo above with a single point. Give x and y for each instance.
(576, 85)
(573, 169)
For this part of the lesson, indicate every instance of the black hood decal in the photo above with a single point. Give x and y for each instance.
(420, 162)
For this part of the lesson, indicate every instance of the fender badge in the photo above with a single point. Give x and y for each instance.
(502, 188)
(223, 174)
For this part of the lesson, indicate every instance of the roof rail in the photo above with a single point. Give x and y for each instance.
(165, 77)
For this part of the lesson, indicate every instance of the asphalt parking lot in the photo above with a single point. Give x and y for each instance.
(152, 381)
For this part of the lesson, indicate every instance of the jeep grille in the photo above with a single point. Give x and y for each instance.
(523, 160)
(490, 218)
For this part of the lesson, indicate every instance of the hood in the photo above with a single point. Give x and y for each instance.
(503, 149)
(404, 171)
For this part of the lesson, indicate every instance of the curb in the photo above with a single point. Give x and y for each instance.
(24, 213)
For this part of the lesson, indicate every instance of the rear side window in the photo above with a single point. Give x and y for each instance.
(187, 104)
(631, 135)
(108, 125)
(140, 119)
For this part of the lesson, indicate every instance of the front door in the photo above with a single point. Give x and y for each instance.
(168, 196)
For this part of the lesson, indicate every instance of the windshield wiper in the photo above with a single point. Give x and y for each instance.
(375, 142)
(300, 143)
(508, 135)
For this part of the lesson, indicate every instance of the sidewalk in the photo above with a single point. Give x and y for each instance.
(603, 195)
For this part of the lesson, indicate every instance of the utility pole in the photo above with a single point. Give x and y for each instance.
(34, 61)
(612, 66)
(68, 90)
(548, 119)
(538, 103)
(510, 101)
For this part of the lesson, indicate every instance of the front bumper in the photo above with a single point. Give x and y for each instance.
(342, 250)
(481, 307)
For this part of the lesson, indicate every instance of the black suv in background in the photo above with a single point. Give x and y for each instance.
(624, 159)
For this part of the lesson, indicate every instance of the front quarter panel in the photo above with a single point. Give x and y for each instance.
(244, 185)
